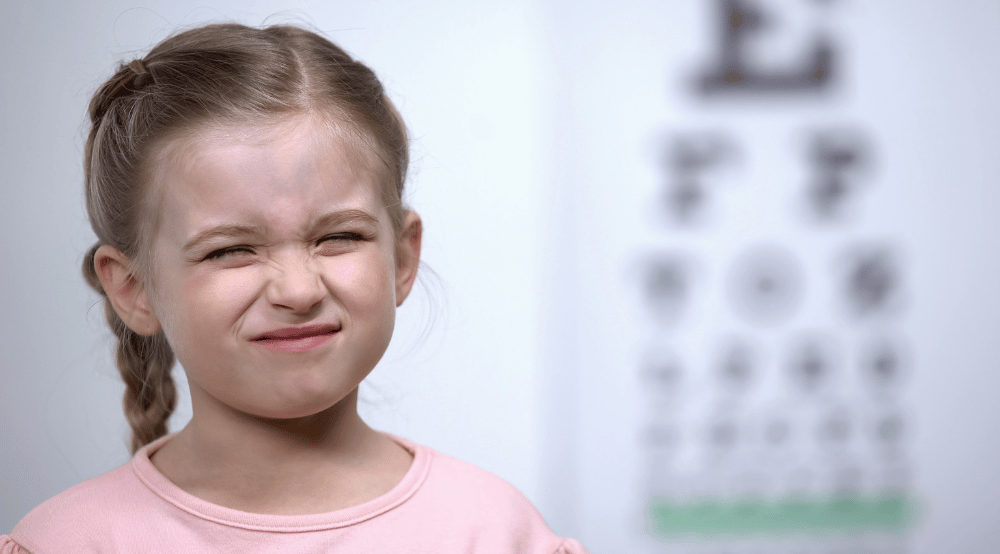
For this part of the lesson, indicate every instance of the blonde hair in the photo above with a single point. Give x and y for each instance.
(212, 75)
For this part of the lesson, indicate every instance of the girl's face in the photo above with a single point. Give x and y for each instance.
(276, 271)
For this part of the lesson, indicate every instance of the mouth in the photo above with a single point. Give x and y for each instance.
(297, 339)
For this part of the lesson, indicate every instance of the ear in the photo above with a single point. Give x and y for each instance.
(126, 292)
(408, 254)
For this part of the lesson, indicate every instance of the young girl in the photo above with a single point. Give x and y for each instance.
(245, 187)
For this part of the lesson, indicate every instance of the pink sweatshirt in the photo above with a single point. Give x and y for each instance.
(441, 506)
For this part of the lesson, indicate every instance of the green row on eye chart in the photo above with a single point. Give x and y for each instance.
(798, 514)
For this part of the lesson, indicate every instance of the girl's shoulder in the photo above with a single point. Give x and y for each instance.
(463, 482)
(61, 522)
(488, 509)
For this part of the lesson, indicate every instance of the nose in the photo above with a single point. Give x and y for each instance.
(296, 285)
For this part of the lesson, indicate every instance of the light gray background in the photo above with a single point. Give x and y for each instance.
(529, 119)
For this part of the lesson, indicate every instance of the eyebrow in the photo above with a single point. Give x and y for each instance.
(223, 231)
(234, 231)
(344, 216)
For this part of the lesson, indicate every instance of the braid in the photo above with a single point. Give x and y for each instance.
(150, 395)
(128, 80)
(145, 363)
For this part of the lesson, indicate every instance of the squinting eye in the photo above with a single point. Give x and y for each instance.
(339, 243)
(228, 252)
(342, 237)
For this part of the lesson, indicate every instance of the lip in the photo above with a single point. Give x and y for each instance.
(297, 339)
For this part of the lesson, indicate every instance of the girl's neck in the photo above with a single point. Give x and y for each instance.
(320, 463)
(218, 432)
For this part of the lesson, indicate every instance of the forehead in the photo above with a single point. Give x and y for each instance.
(276, 174)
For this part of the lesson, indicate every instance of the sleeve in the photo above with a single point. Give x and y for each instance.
(8, 546)
(568, 546)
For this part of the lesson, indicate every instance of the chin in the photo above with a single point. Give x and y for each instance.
(301, 408)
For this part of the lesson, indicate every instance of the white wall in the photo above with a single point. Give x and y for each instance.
(538, 129)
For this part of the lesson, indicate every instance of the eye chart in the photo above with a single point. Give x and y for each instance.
(784, 412)
(746, 277)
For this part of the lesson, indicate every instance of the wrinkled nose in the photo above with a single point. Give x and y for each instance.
(296, 286)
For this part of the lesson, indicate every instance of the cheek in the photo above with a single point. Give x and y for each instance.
(223, 291)
(365, 281)
(203, 304)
